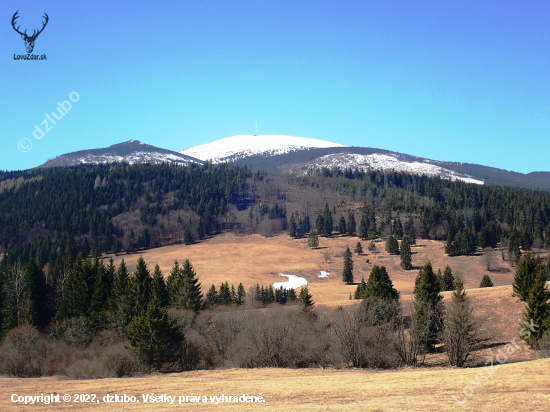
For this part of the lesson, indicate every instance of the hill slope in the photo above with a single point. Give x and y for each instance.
(132, 152)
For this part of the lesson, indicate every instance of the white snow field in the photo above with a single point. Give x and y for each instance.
(379, 161)
(238, 147)
(324, 274)
(293, 282)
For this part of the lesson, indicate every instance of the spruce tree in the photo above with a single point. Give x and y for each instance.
(537, 310)
(306, 300)
(406, 254)
(342, 226)
(292, 228)
(159, 290)
(39, 309)
(410, 231)
(347, 274)
(211, 298)
(358, 248)
(140, 288)
(187, 237)
(398, 228)
(363, 229)
(459, 293)
(119, 303)
(101, 295)
(448, 279)
(313, 240)
(75, 302)
(241, 294)
(380, 285)
(428, 306)
(392, 246)
(527, 271)
(291, 297)
(155, 338)
(185, 292)
(486, 282)
(351, 225)
(360, 290)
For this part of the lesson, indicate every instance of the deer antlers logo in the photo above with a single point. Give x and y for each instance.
(29, 40)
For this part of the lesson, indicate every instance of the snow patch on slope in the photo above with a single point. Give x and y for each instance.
(293, 282)
(378, 161)
(239, 147)
(132, 158)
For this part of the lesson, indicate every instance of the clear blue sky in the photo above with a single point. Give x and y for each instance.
(459, 81)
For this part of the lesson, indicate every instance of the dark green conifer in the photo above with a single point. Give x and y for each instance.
(347, 274)
(380, 285)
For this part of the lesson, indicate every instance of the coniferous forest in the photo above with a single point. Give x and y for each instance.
(56, 289)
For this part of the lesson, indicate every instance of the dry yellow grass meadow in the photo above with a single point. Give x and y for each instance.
(522, 383)
(521, 386)
(255, 259)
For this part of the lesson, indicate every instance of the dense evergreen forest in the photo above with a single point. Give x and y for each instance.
(48, 213)
(57, 223)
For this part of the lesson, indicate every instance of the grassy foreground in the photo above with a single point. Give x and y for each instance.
(521, 386)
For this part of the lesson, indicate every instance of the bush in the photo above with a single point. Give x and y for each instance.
(22, 352)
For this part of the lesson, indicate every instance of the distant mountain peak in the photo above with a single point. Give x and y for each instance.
(239, 147)
(131, 151)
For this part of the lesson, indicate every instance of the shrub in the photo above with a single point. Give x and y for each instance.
(22, 351)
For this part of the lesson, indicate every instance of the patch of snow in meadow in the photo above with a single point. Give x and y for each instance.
(324, 274)
(293, 282)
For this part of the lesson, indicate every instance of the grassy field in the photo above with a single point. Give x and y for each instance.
(255, 259)
(522, 383)
(521, 386)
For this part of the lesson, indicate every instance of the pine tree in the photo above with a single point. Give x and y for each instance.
(185, 289)
(159, 290)
(398, 227)
(75, 302)
(428, 307)
(351, 225)
(342, 227)
(486, 282)
(155, 338)
(527, 271)
(313, 240)
(292, 229)
(537, 310)
(360, 291)
(459, 294)
(363, 230)
(241, 294)
(119, 303)
(406, 254)
(233, 294)
(358, 248)
(306, 300)
(347, 274)
(372, 246)
(187, 238)
(392, 246)
(291, 297)
(201, 232)
(211, 298)
(100, 296)
(380, 285)
(448, 281)
(140, 288)
(39, 310)
(410, 231)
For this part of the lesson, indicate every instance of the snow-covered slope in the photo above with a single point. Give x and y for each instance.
(132, 151)
(380, 161)
(239, 147)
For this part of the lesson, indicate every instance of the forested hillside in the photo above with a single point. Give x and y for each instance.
(122, 208)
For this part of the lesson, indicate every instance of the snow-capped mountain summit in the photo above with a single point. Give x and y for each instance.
(131, 152)
(242, 146)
